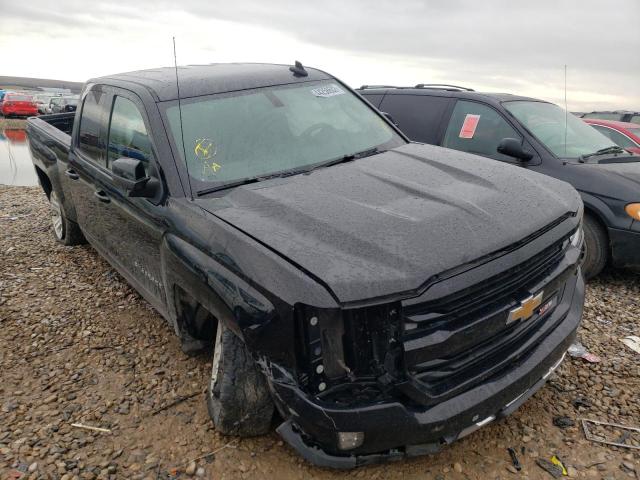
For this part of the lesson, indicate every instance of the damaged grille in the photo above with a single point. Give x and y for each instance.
(454, 343)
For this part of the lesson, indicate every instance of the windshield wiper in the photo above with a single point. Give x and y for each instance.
(244, 181)
(248, 180)
(347, 158)
(603, 151)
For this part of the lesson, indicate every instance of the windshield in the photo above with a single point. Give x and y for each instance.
(260, 132)
(546, 122)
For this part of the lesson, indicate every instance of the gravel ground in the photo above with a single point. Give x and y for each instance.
(78, 345)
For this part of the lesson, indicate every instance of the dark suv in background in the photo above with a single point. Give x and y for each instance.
(531, 133)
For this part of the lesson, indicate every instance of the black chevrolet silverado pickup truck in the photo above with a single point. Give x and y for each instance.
(385, 297)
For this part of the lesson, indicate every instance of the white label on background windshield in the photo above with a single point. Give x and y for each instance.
(330, 90)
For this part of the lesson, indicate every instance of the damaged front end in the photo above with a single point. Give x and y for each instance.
(347, 358)
(404, 378)
(351, 356)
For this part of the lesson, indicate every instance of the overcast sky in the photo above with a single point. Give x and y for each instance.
(489, 45)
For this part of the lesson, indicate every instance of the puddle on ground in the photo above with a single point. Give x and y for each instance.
(15, 158)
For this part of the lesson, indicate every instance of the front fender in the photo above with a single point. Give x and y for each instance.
(207, 279)
(610, 213)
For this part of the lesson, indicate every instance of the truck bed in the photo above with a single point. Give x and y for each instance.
(50, 142)
(57, 126)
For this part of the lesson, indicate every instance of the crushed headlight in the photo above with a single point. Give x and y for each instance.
(350, 440)
(633, 210)
(576, 238)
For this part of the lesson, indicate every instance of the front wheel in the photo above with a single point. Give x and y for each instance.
(66, 231)
(238, 397)
(596, 247)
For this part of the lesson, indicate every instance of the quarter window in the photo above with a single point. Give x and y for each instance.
(127, 133)
(479, 129)
(91, 141)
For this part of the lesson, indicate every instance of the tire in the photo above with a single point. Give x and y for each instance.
(238, 397)
(65, 231)
(596, 244)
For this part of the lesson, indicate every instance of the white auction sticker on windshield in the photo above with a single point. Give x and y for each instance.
(330, 90)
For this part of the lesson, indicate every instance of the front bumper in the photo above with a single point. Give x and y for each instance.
(625, 248)
(393, 430)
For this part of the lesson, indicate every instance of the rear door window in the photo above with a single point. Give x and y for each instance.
(418, 116)
(479, 129)
(91, 141)
(127, 132)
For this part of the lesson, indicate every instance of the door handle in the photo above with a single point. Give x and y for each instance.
(103, 197)
(72, 174)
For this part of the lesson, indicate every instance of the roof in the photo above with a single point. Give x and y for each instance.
(198, 80)
(442, 92)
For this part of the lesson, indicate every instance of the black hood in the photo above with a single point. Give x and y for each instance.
(628, 170)
(385, 224)
(620, 180)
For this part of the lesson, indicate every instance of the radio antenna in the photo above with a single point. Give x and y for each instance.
(184, 150)
(566, 111)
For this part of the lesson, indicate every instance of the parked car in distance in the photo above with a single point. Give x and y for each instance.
(623, 134)
(53, 103)
(64, 104)
(42, 101)
(616, 115)
(2, 95)
(386, 297)
(531, 133)
(18, 105)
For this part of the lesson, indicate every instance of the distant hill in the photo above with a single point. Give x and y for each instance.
(38, 83)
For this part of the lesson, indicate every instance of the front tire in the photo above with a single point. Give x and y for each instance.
(596, 246)
(238, 397)
(65, 231)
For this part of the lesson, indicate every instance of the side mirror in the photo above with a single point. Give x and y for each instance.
(130, 176)
(513, 148)
(389, 117)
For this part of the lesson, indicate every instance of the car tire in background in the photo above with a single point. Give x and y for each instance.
(238, 397)
(66, 232)
(596, 246)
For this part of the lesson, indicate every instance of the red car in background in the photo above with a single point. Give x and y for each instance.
(624, 134)
(18, 104)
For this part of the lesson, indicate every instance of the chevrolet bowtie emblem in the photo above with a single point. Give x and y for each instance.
(526, 309)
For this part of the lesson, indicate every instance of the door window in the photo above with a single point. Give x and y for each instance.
(478, 129)
(127, 133)
(418, 116)
(91, 139)
(635, 119)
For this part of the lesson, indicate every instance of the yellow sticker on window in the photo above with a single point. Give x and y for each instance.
(205, 149)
